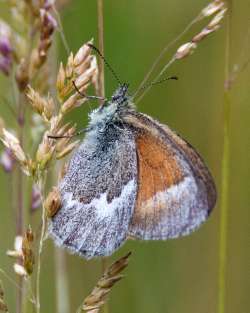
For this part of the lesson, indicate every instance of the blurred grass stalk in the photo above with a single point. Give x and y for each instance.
(62, 286)
(225, 170)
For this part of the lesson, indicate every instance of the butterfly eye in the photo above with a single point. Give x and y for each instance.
(115, 98)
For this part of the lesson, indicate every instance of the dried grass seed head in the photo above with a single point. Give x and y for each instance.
(67, 150)
(13, 144)
(218, 8)
(69, 104)
(20, 270)
(82, 54)
(17, 252)
(82, 69)
(61, 76)
(37, 102)
(217, 19)
(22, 74)
(28, 255)
(99, 295)
(212, 8)
(67, 130)
(45, 151)
(53, 202)
(185, 50)
(69, 71)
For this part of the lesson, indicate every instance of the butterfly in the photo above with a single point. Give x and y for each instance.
(131, 177)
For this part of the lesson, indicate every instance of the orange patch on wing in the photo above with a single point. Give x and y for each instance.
(157, 168)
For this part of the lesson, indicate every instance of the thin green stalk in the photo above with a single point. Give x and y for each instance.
(42, 238)
(157, 77)
(225, 174)
(224, 207)
(61, 32)
(162, 54)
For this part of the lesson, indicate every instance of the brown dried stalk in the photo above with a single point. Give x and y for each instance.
(99, 295)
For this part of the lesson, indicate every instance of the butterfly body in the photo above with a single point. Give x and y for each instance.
(130, 177)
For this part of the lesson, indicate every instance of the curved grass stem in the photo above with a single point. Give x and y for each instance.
(162, 54)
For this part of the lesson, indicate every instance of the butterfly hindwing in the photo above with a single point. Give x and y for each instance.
(98, 195)
(175, 189)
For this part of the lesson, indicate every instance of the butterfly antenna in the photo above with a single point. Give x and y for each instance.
(67, 136)
(156, 82)
(86, 96)
(106, 63)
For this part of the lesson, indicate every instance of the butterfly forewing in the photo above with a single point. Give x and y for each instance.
(175, 189)
(98, 195)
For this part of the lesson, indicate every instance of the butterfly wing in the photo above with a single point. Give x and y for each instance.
(98, 195)
(175, 189)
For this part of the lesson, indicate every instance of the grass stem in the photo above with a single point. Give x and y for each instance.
(162, 54)
(225, 173)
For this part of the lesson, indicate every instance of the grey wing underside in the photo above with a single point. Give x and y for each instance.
(98, 195)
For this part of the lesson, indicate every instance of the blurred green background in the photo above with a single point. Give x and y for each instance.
(176, 276)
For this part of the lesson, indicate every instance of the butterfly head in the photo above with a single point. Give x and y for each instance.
(120, 96)
(112, 109)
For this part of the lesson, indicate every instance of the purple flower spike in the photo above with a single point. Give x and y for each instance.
(48, 4)
(48, 21)
(7, 160)
(5, 46)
